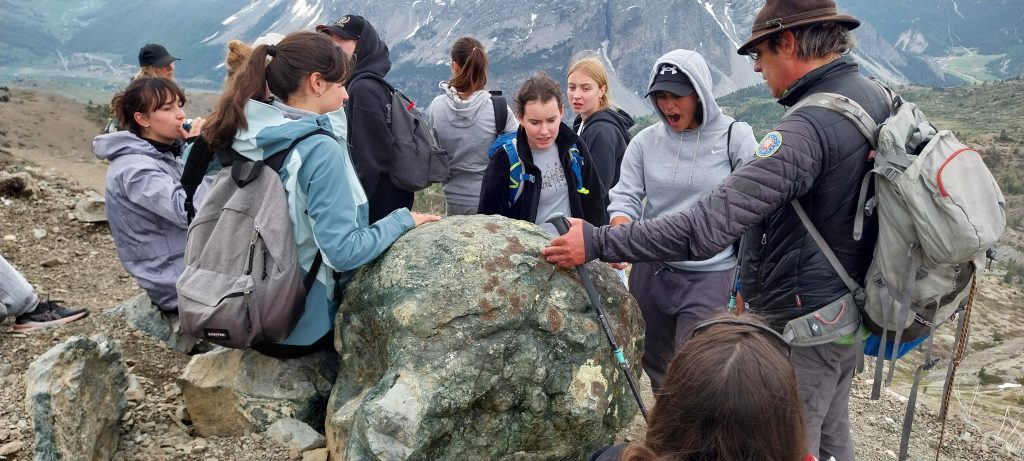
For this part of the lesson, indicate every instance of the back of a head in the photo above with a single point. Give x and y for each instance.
(469, 54)
(540, 87)
(279, 68)
(729, 394)
(238, 52)
(593, 67)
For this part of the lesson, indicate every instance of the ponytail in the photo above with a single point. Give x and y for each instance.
(291, 60)
(469, 54)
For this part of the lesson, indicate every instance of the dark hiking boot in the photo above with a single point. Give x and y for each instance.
(47, 313)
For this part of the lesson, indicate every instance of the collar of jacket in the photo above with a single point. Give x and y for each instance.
(564, 140)
(804, 85)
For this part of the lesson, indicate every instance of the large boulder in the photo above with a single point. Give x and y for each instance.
(75, 396)
(229, 392)
(461, 343)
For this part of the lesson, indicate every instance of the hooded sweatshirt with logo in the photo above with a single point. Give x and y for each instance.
(326, 203)
(146, 212)
(674, 170)
(466, 129)
(369, 109)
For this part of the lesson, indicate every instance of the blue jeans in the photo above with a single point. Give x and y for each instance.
(16, 295)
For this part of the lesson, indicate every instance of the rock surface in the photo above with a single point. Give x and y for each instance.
(296, 434)
(75, 396)
(91, 208)
(461, 343)
(140, 313)
(230, 392)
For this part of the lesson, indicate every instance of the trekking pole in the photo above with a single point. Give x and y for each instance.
(734, 291)
(562, 225)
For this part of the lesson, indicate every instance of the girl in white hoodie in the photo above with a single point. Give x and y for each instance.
(673, 164)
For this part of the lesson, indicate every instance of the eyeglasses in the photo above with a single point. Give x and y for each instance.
(760, 328)
(755, 53)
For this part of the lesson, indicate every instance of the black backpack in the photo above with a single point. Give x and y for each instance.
(418, 160)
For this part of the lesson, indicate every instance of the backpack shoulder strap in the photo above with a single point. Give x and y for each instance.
(198, 162)
(500, 111)
(852, 285)
(728, 148)
(844, 106)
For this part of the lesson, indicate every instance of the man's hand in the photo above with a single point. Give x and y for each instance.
(568, 250)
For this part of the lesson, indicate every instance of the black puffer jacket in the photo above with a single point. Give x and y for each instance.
(821, 161)
(369, 137)
(606, 134)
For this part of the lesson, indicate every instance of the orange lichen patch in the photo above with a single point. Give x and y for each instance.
(492, 283)
(516, 301)
(489, 311)
(554, 320)
(492, 228)
(597, 389)
(514, 246)
(590, 326)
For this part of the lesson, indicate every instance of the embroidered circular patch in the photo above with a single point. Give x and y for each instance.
(769, 145)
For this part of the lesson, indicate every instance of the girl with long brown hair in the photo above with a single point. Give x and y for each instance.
(284, 92)
(730, 394)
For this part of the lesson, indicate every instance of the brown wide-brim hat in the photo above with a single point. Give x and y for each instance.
(779, 15)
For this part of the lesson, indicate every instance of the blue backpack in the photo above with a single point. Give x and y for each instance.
(517, 173)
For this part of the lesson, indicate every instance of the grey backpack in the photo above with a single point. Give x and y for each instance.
(418, 160)
(939, 210)
(242, 283)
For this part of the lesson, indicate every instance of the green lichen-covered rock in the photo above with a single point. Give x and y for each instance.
(461, 343)
(74, 393)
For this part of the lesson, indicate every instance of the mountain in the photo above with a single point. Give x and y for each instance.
(935, 43)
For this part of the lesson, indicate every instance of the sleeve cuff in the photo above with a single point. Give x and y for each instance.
(588, 241)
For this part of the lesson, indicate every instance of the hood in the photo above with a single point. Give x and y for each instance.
(272, 129)
(617, 117)
(112, 145)
(372, 55)
(696, 68)
(464, 112)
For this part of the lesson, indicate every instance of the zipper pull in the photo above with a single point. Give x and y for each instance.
(264, 263)
(764, 238)
(248, 319)
(252, 251)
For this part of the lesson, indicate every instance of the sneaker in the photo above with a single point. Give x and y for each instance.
(47, 313)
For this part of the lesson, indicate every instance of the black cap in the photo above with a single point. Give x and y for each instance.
(349, 27)
(155, 55)
(670, 78)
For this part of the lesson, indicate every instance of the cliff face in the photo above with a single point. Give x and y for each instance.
(906, 41)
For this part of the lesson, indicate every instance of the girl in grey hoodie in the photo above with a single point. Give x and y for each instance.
(672, 164)
(464, 118)
(144, 197)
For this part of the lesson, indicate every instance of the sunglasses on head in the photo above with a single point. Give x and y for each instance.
(760, 328)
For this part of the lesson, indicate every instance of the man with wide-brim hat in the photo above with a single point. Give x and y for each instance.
(814, 157)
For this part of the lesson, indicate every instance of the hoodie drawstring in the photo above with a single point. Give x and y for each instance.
(694, 161)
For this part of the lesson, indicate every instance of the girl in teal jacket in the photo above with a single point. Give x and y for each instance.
(283, 92)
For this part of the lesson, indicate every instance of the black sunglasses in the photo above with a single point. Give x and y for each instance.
(761, 328)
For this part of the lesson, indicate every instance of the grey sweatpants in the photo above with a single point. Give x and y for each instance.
(673, 302)
(16, 295)
(824, 374)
